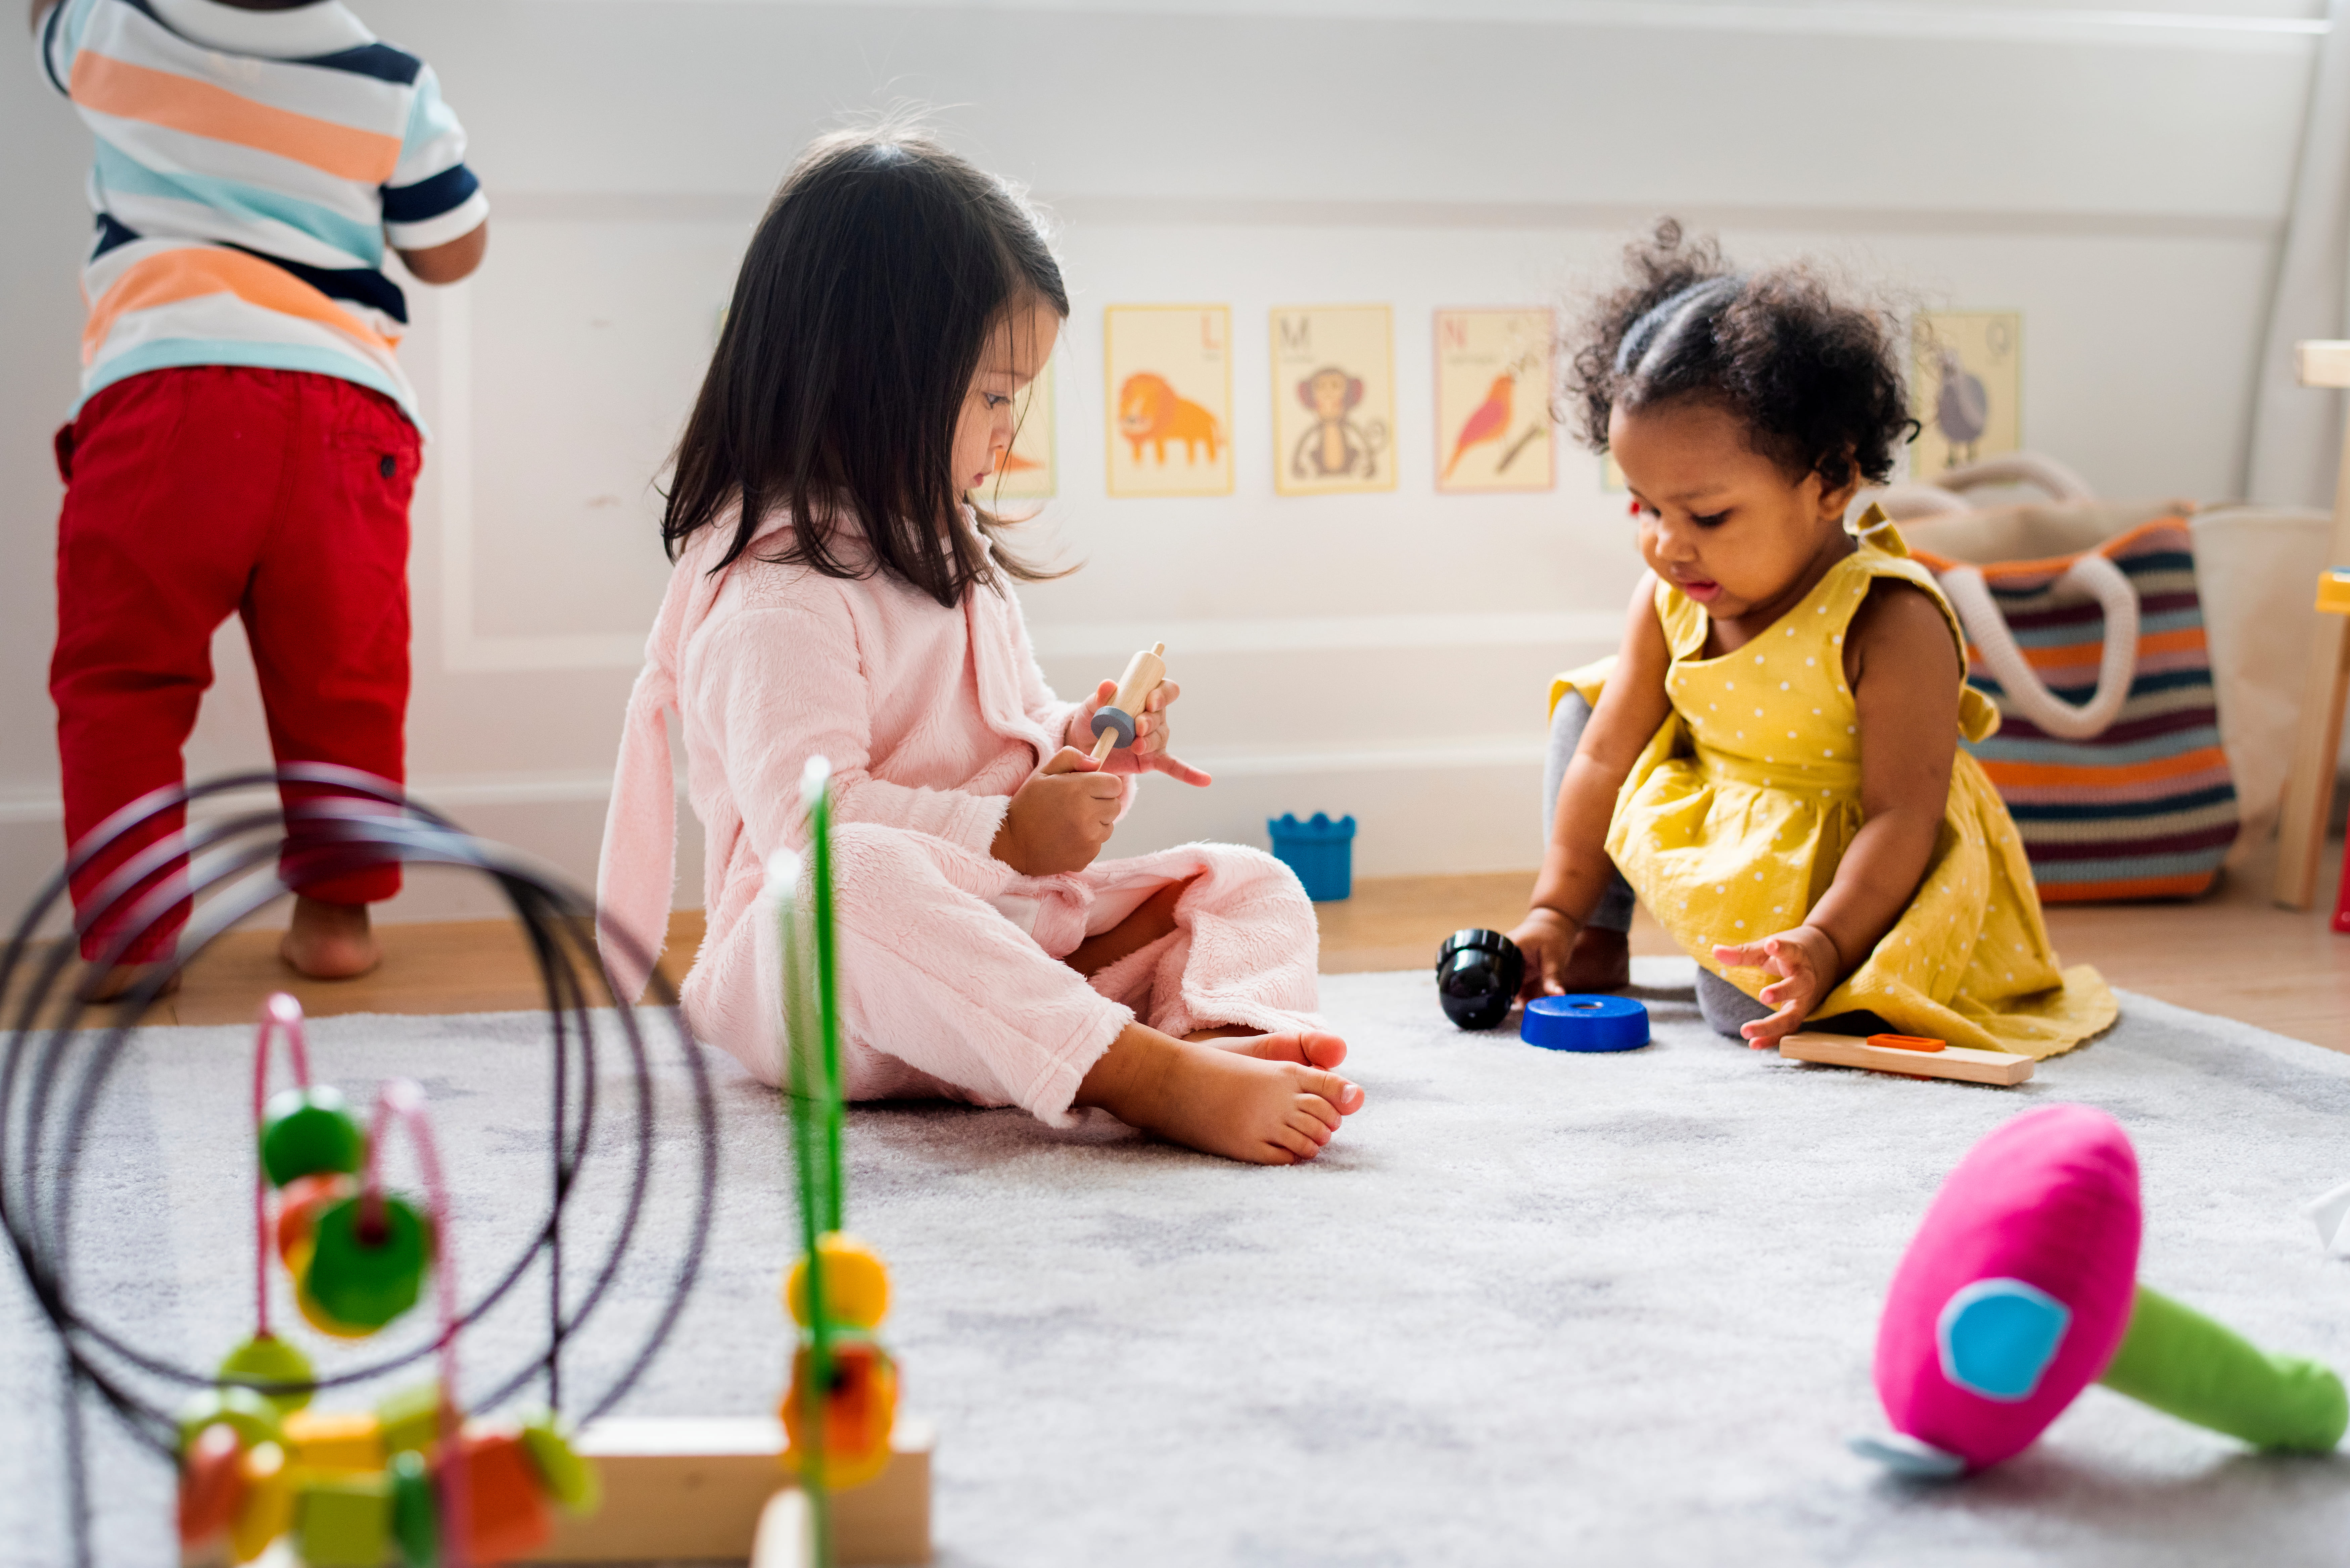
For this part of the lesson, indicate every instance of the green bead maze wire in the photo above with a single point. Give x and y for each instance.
(813, 1101)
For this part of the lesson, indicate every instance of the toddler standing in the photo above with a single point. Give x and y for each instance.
(244, 442)
(1771, 762)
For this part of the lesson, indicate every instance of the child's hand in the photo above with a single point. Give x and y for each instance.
(1806, 959)
(1060, 818)
(1149, 754)
(1545, 936)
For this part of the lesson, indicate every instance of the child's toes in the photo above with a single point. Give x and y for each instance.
(1307, 1048)
(1305, 1119)
(1345, 1096)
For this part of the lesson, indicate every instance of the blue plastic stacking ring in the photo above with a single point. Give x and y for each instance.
(1584, 1023)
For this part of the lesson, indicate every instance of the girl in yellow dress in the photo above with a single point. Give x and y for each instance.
(1772, 761)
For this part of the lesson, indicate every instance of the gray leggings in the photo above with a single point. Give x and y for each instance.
(1724, 1005)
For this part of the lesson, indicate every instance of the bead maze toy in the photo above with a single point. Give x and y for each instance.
(1114, 721)
(2021, 1289)
(426, 1474)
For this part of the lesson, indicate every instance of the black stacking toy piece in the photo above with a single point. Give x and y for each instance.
(1478, 973)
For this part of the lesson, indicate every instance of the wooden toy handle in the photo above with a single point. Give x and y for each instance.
(1144, 671)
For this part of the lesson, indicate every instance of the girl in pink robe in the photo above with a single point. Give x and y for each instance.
(892, 304)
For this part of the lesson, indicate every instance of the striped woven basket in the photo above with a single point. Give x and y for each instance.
(2109, 749)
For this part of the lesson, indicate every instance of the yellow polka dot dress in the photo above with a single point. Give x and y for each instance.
(1735, 818)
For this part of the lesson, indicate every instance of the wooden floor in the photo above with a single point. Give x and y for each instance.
(2232, 955)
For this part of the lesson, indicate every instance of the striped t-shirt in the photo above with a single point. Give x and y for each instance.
(251, 167)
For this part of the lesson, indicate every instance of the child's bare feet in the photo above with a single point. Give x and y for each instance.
(1599, 960)
(1306, 1047)
(1220, 1099)
(329, 941)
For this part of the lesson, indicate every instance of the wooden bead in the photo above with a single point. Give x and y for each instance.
(858, 1413)
(305, 1131)
(504, 1512)
(268, 1511)
(267, 1359)
(344, 1520)
(366, 1270)
(211, 1484)
(299, 1206)
(254, 1419)
(331, 1441)
(411, 1418)
(570, 1480)
(855, 1284)
(415, 1512)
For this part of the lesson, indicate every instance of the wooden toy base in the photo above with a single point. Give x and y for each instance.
(1995, 1067)
(692, 1490)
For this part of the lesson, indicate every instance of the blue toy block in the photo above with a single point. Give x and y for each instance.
(1322, 853)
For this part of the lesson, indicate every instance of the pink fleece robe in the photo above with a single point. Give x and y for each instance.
(931, 718)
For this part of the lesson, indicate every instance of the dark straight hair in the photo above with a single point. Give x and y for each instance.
(865, 302)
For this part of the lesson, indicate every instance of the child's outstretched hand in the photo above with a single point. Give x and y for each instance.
(1546, 938)
(1806, 960)
(1060, 818)
(1149, 754)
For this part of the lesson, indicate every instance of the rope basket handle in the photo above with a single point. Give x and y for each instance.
(2090, 574)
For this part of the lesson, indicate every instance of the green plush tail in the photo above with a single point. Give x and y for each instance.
(2176, 1360)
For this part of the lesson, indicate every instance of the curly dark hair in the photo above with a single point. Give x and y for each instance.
(1815, 379)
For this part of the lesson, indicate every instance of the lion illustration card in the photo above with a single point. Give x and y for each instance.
(1028, 471)
(1333, 399)
(1492, 400)
(1171, 399)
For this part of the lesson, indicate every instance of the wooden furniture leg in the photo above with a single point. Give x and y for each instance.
(2309, 789)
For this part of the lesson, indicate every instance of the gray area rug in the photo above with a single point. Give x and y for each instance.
(1528, 1308)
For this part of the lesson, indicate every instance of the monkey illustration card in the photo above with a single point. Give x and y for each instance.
(1028, 471)
(1333, 399)
(1170, 370)
(1492, 400)
(1966, 389)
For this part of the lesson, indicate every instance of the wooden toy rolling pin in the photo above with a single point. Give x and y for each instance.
(1114, 722)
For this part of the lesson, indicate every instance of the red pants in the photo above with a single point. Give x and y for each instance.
(280, 496)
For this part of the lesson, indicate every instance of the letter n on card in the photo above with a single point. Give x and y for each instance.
(1171, 399)
(1492, 400)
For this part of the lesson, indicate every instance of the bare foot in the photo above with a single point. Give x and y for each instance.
(1306, 1047)
(329, 941)
(107, 985)
(1599, 960)
(1221, 1100)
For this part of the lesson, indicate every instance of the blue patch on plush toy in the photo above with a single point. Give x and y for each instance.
(1997, 1336)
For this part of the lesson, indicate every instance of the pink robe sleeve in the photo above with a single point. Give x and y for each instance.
(780, 685)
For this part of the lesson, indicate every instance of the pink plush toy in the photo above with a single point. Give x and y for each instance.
(2021, 1290)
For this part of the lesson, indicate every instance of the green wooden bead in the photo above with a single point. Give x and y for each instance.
(306, 1131)
(410, 1417)
(267, 1359)
(570, 1479)
(344, 1520)
(415, 1511)
(251, 1417)
(366, 1278)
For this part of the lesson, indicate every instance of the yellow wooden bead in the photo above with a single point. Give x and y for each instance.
(334, 1441)
(268, 1508)
(855, 1284)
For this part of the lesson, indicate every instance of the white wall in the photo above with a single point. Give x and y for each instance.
(2120, 177)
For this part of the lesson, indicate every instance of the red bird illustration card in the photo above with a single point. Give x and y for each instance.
(1333, 399)
(1492, 400)
(1169, 369)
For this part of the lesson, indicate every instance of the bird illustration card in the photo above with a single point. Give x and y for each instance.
(1333, 399)
(1027, 471)
(1492, 400)
(1169, 369)
(1966, 389)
